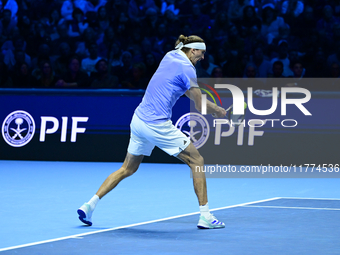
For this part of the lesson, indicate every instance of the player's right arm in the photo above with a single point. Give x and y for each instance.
(196, 95)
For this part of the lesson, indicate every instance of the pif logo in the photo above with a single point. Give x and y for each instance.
(18, 128)
(195, 126)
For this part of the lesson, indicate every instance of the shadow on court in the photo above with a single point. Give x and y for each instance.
(280, 226)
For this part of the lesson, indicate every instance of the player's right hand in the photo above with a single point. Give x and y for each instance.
(220, 113)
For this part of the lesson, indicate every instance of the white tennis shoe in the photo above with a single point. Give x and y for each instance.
(85, 214)
(209, 222)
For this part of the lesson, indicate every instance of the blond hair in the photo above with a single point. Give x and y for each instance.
(188, 39)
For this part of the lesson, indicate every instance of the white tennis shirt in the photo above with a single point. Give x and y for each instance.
(174, 76)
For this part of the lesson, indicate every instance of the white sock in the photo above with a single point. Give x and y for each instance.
(204, 209)
(93, 202)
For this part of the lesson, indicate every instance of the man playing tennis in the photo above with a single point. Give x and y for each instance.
(151, 125)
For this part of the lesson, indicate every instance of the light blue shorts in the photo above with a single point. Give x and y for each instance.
(144, 137)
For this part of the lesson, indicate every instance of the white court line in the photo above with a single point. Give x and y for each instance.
(78, 236)
(288, 207)
(335, 199)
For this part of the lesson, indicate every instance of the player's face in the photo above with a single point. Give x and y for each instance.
(197, 55)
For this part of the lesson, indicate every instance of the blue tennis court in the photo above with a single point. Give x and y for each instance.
(155, 212)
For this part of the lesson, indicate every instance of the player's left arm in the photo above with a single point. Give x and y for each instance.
(196, 95)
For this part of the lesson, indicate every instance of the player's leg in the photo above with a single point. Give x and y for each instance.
(195, 161)
(171, 140)
(129, 167)
(138, 147)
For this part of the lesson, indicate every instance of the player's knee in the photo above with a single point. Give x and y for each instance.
(128, 171)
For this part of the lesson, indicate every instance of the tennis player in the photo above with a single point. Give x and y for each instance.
(151, 126)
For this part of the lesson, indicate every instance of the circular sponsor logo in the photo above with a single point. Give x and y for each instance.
(18, 128)
(195, 126)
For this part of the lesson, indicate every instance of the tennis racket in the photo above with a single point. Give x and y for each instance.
(236, 119)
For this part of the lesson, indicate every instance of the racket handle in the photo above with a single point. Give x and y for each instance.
(226, 116)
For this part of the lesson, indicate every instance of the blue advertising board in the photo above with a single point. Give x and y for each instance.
(93, 125)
